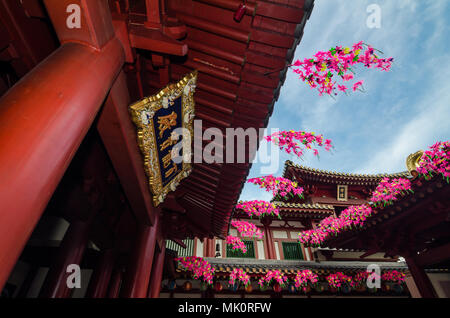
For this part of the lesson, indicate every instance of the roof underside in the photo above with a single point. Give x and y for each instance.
(233, 90)
(418, 221)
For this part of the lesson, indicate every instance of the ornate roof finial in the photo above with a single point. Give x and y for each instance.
(412, 162)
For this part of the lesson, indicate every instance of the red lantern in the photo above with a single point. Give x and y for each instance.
(239, 14)
(187, 286)
(277, 288)
(218, 287)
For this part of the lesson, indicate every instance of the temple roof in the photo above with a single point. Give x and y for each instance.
(242, 66)
(294, 170)
(298, 210)
(258, 266)
(302, 210)
(417, 220)
(303, 206)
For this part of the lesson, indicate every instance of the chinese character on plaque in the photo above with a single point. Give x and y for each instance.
(342, 192)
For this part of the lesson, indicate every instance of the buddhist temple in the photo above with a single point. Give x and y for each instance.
(326, 194)
(73, 177)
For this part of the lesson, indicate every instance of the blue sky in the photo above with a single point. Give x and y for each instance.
(402, 111)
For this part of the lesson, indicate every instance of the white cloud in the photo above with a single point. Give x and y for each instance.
(402, 111)
(427, 126)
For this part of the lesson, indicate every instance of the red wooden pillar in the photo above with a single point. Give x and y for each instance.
(206, 247)
(70, 251)
(268, 239)
(137, 275)
(157, 273)
(115, 282)
(421, 279)
(212, 247)
(98, 285)
(45, 116)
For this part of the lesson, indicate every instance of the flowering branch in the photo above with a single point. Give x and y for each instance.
(436, 160)
(302, 278)
(290, 141)
(198, 266)
(273, 275)
(278, 186)
(236, 243)
(389, 191)
(240, 275)
(325, 68)
(393, 276)
(258, 208)
(247, 229)
(337, 279)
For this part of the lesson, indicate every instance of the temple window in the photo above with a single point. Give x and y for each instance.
(292, 251)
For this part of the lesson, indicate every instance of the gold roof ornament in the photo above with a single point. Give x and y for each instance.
(412, 162)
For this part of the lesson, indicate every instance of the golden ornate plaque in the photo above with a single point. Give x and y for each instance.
(165, 128)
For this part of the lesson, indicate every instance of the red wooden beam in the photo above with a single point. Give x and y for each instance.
(153, 13)
(215, 28)
(433, 256)
(137, 276)
(156, 41)
(157, 273)
(95, 28)
(421, 278)
(210, 50)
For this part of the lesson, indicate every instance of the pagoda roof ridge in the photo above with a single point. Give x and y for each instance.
(359, 176)
(303, 205)
(291, 266)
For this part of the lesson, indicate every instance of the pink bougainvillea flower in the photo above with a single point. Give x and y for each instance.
(357, 85)
(389, 191)
(436, 160)
(292, 141)
(303, 277)
(323, 71)
(240, 275)
(273, 275)
(199, 267)
(393, 276)
(342, 88)
(236, 243)
(258, 208)
(347, 77)
(247, 229)
(337, 279)
(278, 186)
(351, 217)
